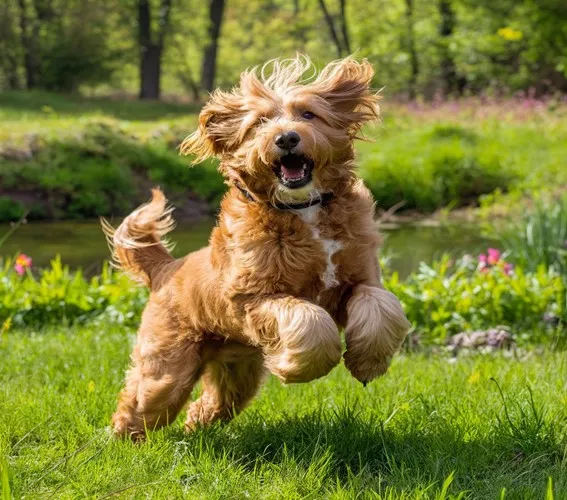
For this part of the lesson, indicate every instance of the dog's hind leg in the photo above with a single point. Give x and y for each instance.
(165, 367)
(233, 374)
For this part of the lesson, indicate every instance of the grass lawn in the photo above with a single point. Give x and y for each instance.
(427, 424)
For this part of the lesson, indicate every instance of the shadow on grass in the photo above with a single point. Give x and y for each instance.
(71, 105)
(402, 455)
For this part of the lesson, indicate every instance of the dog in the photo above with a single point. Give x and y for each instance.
(292, 260)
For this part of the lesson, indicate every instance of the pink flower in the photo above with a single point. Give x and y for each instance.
(493, 256)
(508, 268)
(22, 263)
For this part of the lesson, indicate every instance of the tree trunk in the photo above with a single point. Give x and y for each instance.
(8, 44)
(414, 62)
(332, 30)
(216, 9)
(151, 51)
(150, 72)
(344, 27)
(30, 61)
(448, 69)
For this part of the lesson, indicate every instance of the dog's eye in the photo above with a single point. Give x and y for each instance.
(308, 115)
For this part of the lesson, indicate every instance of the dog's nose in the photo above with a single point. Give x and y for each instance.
(287, 140)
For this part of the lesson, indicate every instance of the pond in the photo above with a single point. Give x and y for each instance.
(82, 244)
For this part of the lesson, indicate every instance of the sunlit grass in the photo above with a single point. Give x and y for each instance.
(428, 422)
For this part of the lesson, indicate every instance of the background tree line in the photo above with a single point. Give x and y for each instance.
(418, 47)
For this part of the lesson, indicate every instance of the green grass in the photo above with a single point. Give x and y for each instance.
(429, 422)
(44, 113)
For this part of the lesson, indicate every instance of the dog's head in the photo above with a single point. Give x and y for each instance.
(285, 136)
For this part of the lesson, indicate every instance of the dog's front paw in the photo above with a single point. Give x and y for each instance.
(375, 330)
(308, 346)
(365, 366)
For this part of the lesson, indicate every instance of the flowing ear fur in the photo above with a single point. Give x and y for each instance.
(345, 84)
(219, 126)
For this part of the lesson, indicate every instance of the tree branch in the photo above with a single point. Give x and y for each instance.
(344, 27)
(332, 29)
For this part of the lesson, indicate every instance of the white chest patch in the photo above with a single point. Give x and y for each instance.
(310, 216)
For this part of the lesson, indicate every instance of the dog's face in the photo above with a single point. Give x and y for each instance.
(284, 138)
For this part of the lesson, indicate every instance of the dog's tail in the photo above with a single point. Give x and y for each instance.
(137, 246)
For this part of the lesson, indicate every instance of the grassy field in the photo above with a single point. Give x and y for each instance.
(430, 429)
(73, 157)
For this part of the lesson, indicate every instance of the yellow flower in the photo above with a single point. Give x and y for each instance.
(6, 326)
(474, 377)
(510, 34)
(91, 386)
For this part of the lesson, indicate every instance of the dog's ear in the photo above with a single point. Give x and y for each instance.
(219, 126)
(346, 85)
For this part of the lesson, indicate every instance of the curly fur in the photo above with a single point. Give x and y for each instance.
(273, 288)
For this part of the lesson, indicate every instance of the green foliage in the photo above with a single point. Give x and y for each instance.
(58, 296)
(430, 159)
(506, 46)
(433, 166)
(103, 170)
(10, 209)
(453, 154)
(442, 299)
(450, 297)
(539, 236)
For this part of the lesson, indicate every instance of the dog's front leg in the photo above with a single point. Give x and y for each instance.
(300, 340)
(375, 329)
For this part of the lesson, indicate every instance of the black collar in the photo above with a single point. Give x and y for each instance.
(322, 200)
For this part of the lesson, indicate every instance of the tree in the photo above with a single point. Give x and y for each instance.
(414, 61)
(216, 9)
(9, 48)
(451, 82)
(28, 45)
(339, 34)
(151, 49)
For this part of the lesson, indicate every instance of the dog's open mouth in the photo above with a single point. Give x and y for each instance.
(294, 171)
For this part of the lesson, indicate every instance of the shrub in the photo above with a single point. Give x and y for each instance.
(450, 297)
(103, 170)
(58, 295)
(10, 210)
(440, 300)
(433, 167)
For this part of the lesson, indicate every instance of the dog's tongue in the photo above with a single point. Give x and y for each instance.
(292, 172)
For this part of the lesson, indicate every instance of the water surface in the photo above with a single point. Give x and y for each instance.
(82, 244)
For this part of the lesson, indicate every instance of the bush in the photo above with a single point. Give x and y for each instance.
(436, 166)
(10, 210)
(58, 295)
(450, 297)
(440, 300)
(103, 170)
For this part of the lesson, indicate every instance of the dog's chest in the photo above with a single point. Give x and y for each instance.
(310, 216)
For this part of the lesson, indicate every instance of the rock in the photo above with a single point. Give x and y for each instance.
(481, 340)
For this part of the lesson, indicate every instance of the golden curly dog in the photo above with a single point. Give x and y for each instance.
(292, 259)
